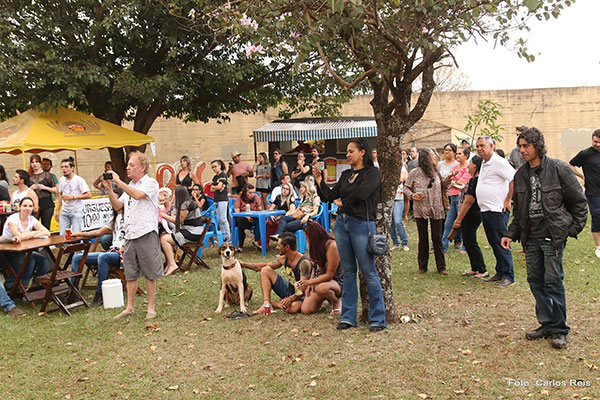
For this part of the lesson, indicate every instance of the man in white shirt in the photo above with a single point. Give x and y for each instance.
(285, 178)
(142, 247)
(72, 189)
(494, 193)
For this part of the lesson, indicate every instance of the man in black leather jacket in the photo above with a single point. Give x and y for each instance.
(548, 206)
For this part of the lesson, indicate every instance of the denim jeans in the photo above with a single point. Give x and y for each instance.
(102, 260)
(494, 224)
(37, 265)
(287, 223)
(545, 276)
(106, 241)
(398, 224)
(450, 218)
(70, 220)
(5, 302)
(222, 216)
(351, 236)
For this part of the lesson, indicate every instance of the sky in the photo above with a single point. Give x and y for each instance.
(566, 49)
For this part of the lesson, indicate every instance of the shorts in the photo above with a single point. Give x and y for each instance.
(282, 288)
(261, 190)
(142, 256)
(594, 205)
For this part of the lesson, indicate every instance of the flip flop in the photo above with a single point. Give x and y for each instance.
(123, 314)
(336, 311)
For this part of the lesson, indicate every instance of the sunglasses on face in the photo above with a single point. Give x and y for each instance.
(430, 183)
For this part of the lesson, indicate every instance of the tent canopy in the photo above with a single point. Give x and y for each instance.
(35, 131)
(316, 129)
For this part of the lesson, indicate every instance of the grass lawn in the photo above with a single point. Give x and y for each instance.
(466, 340)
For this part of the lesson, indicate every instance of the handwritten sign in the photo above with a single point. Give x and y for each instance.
(96, 213)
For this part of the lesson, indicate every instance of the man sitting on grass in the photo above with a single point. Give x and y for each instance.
(296, 265)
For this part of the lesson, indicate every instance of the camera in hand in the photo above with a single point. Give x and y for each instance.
(107, 176)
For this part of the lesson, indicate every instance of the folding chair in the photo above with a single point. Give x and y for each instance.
(59, 282)
(192, 249)
(114, 272)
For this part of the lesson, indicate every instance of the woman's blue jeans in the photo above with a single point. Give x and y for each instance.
(397, 227)
(102, 260)
(5, 302)
(450, 218)
(38, 265)
(351, 236)
(222, 216)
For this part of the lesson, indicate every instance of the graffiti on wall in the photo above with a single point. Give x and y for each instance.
(166, 173)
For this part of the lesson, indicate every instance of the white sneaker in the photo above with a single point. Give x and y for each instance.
(597, 252)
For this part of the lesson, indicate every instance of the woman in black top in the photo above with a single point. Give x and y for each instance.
(44, 187)
(199, 197)
(326, 282)
(301, 171)
(219, 188)
(357, 189)
(469, 219)
(186, 177)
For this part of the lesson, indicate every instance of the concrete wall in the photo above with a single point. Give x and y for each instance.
(566, 116)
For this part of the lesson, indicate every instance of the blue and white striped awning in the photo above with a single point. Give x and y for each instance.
(316, 129)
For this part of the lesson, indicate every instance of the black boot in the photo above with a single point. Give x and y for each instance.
(539, 333)
(97, 302)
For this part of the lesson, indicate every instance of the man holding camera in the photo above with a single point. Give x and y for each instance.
(142, 248)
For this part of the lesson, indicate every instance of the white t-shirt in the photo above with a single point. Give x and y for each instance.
(400, 189)
(18, 196)
(492, 187)
(117, 226)
(14, 218)
(72, 187)
(140, 215)
(445, 169)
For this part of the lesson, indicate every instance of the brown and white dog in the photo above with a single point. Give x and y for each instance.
(233, 280)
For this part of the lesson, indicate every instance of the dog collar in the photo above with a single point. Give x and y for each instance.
(230, 267)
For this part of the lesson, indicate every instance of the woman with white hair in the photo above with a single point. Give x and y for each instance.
(294, 220)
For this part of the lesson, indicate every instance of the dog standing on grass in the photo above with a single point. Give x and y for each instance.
(234, 287)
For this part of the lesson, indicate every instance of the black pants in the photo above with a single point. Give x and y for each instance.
(46, 215)
(242, 224)
(469, 231)
(437, 227)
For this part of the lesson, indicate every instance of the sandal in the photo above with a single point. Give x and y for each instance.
(170, 272)
(336, 311)
(240, 250)
(470, 273)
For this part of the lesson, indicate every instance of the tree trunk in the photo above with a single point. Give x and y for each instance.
(390, 132)
(117, 156)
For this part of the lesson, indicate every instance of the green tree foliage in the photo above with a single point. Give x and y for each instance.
(483, 122)
(141, 59)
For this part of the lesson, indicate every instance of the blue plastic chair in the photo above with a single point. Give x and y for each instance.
(324, 218)
(213, 231)
(232, 225)
(300, 238)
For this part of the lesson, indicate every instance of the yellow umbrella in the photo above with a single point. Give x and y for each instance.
(34, 131)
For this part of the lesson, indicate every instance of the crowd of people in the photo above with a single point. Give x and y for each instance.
(453, 194)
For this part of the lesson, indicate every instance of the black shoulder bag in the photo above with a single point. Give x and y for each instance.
(378, 245)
